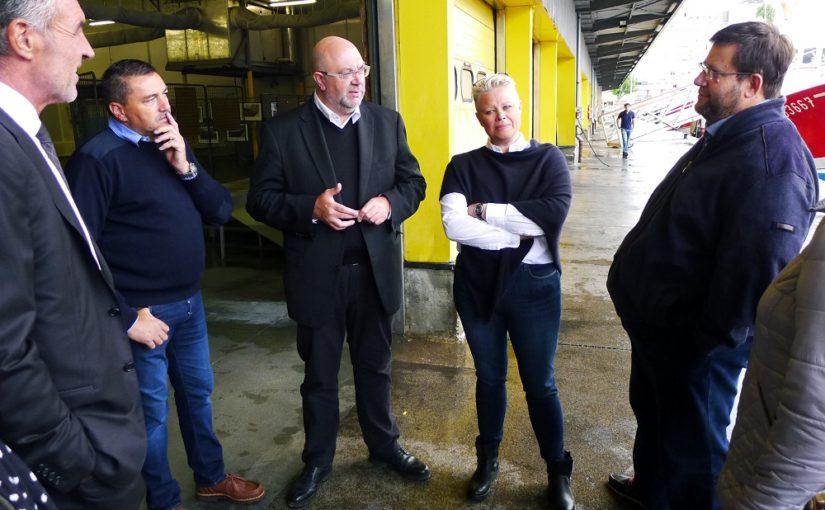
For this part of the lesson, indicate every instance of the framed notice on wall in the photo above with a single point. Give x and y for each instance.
(251, 112)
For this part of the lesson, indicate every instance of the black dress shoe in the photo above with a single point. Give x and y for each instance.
(623, 486)
(404, 464)
(486, 472)
(306, 485)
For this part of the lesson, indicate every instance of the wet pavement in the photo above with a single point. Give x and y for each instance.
(258, 372)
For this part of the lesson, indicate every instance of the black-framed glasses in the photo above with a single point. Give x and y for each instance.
(713, 74)
(362, 71)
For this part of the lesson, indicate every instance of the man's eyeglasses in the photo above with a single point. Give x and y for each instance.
(714, 75)
(362, 71)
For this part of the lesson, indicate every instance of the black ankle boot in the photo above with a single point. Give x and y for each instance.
(486, 473)
(559, 492)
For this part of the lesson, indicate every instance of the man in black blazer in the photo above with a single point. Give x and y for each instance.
(337, 177)
(69, 403)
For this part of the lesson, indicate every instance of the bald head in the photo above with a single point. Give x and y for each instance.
(329, 51)
(339, 74)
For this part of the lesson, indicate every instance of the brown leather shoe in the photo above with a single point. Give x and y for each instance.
(234, 488)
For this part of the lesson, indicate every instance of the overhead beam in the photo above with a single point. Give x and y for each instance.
(622, 21)
(599, 5)
(604, 51)
(608, 38)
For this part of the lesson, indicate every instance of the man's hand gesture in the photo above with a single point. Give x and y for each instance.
(376, 211)
(170, 141)
(337, 216)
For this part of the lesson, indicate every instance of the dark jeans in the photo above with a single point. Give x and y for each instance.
(358, 315)
(184, 358)
(530, 311)
(682, 401)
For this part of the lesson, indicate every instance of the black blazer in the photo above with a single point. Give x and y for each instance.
(294, 167)
(69, 401)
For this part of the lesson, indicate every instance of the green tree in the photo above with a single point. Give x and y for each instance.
(627, 86)
(766, 12)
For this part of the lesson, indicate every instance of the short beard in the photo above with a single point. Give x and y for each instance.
(348, 106)
(717, 108)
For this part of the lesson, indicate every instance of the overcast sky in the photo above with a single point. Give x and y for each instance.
(676, 52)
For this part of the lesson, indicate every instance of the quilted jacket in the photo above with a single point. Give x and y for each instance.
(777, 452)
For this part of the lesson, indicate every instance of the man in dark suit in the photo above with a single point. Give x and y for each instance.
(69, 403)
(337, 177)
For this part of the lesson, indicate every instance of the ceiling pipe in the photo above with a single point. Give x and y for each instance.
(187, 18)
(150, 25)
(104, 38)
(245, 19)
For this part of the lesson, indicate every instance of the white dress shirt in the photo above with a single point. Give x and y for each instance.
(24, 115)
(504, 224)
(333, 117)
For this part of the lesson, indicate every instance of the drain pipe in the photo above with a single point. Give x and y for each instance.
(578, 150)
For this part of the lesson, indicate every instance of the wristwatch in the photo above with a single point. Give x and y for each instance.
(479, 211)
(191, 173)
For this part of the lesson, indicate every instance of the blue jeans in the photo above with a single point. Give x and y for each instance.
(682, 402)
(184, 357)
(530, 311)
(625, 138)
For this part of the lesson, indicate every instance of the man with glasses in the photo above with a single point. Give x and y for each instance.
(338, 178)
(687, 278)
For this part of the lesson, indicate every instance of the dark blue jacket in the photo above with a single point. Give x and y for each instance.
(725, 220)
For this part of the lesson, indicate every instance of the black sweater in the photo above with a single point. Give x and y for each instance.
(536, 181)
(145, 219)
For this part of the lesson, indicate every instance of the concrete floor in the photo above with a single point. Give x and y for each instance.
(258, 372)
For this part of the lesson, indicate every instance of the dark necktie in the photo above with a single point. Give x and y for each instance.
(48, 146)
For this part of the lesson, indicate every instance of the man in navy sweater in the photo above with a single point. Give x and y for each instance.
(687, 278)
(144, 197)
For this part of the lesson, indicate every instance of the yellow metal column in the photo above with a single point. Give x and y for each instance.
(424, 91)
(548, 90)
(518, 57)
(250, 93)
(566, 100)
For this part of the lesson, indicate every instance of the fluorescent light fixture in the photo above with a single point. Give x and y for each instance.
(289, 3)
(97, 23)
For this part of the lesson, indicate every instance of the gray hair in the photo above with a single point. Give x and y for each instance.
(38, 13)
(491, 82)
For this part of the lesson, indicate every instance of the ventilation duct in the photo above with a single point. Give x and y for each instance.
(190, 17)
(239, 17)
(245, 19)
(105, 38)
(217, 38)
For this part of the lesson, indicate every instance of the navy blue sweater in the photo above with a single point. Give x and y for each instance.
(537, 182)
(145, 219)
(726, 219)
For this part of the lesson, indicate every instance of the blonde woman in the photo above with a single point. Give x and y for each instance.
(504, 204)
